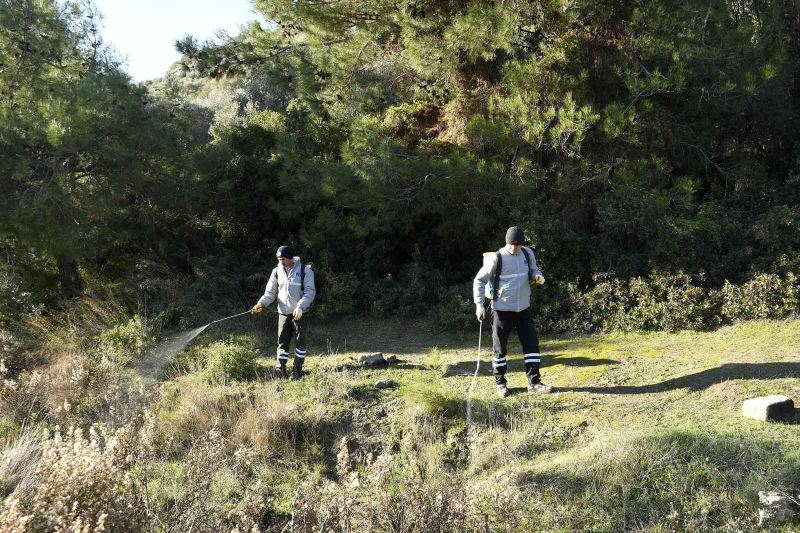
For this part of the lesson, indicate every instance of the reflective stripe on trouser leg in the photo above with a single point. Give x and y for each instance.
(282, 359)
(502, 324)
(532, 368)
(532, 358)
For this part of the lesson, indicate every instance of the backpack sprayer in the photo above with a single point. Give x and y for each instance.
(494, 283)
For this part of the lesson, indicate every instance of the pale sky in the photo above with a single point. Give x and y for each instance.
(145, 31)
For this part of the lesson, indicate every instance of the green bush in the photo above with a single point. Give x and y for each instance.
(455, 310)
(341, 296)
(764, 296)
(126, 342)
(671, 302)
(15, 299)
(411, 293)
(658, 302)
(228, 361)
(436, 402)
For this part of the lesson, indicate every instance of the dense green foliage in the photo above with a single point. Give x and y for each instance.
(393, 142)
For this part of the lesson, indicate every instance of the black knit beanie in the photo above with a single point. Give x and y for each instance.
(515, 235)
(285, 251)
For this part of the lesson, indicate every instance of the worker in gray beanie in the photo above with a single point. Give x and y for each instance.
(291, 283)
(506, 278)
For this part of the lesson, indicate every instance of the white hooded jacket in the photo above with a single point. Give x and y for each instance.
(285, 287)
(514, 291)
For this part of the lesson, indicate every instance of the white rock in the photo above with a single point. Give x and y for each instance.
(776, 508)
(768, 407)
(371, 359)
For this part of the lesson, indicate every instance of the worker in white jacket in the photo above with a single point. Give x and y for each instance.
(510, 272)
(291, 283)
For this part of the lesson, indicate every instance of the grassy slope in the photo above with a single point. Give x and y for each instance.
(645, 429)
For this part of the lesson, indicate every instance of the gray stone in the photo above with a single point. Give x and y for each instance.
(774, 407)
(371, 359)
(385, 384)
(776, 508)
(385, 408)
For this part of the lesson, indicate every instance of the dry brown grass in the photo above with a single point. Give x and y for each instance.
(79, 484)
(190, 408)
(18, 462)
(274, 427)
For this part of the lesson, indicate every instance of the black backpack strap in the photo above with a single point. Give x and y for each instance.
(302, 278)
(497, 269)
(527, 260)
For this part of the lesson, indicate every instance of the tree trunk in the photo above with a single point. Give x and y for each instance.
(71, 283)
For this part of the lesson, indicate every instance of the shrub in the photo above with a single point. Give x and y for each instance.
(455, 310)
(412, 491)
(13, 358)
(274, 428)
(73, 390)
(211, 488)
(669, 302)
(80, 485)
(601, 308)
(189, 408)
(764, 296)
(125, 343)
(435, 401)
(672, 302)
(342, 296)
(16, 300)
(228, 361)
(410, 293)
(19, 461)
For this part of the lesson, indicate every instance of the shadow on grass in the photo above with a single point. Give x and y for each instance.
(704, 379)
(467, 368)
(561, 359)
(407, 337)
(398, 365)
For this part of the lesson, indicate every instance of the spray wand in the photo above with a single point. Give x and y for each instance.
(228, 317)
(161, 356)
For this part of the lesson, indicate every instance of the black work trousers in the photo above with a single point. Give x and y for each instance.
(504, 322)
(289, 329)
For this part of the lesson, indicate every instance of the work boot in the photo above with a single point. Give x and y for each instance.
(540, 388)
(280, 371)
(502, 390)
(297, 371)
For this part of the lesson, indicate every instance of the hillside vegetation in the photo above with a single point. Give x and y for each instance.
(648, 149)
(643, 433)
